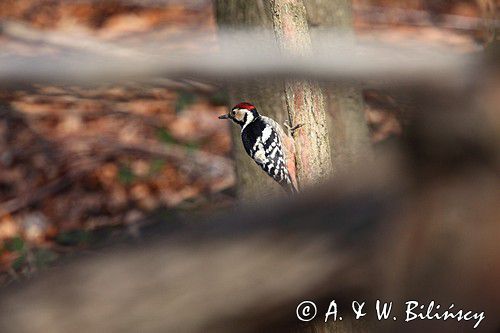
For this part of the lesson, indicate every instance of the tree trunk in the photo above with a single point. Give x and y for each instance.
(489, 14)
(349, 133)
(304, 100)
(252, 182)
(329, 13)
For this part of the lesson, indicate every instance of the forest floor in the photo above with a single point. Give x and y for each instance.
(74, 160)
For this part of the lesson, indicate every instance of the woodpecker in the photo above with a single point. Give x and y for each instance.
(266, 143)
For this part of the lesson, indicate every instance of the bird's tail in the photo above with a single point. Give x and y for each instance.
(289, 187)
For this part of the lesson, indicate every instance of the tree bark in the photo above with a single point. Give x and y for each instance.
(329, 13)
(304, 100)
(349, 133)
(301, 102)
(252, 182)
(489, 13)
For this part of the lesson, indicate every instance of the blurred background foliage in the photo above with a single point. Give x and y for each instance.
(74, 160)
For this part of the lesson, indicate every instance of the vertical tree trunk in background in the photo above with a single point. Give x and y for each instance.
(489, 12)
(329, 13)
(349, 133)
(252, 182)
(304, 100)
(350, 136)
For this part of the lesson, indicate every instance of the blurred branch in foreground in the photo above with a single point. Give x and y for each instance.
(402, 229)
(251, 268)
(335, 58)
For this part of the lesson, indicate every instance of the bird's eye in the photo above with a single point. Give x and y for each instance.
(233, 112)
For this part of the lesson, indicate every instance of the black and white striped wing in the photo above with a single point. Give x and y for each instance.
(269, 154)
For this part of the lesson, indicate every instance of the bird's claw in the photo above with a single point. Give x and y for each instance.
(292, 129)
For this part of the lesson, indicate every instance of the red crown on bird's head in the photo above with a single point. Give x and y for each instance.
(244, 105)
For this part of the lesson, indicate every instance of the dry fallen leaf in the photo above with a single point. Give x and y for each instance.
(8, 227)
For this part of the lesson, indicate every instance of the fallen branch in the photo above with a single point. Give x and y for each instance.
(205, 163)
(38, 194)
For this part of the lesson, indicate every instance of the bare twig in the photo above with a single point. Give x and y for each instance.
(27, 199)
(36, 195)
(205, 162)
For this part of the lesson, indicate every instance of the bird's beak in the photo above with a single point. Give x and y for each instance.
(224, 116)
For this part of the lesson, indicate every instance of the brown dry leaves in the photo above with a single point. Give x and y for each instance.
(75, 159)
